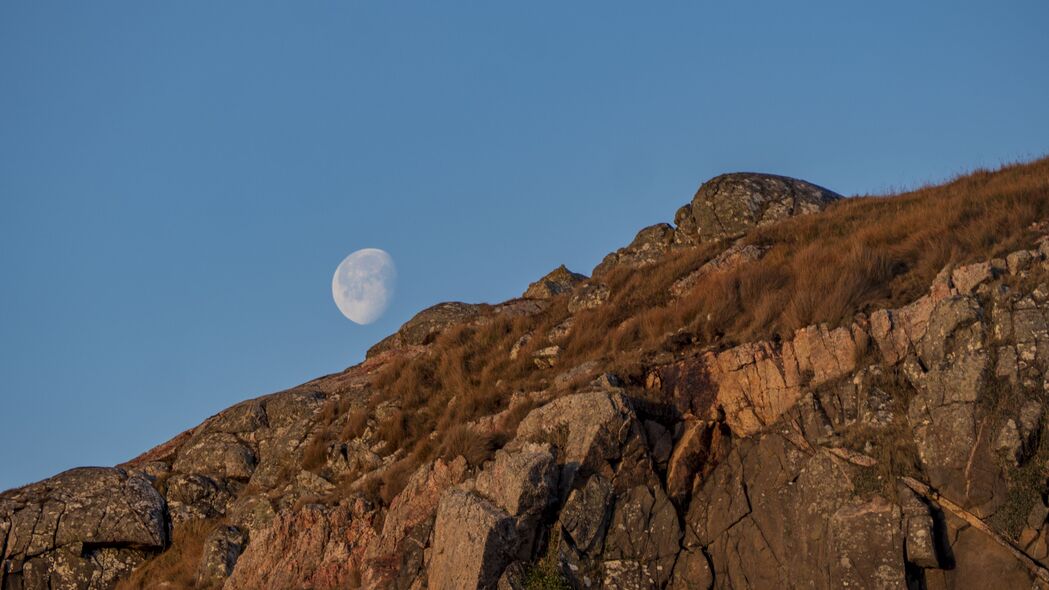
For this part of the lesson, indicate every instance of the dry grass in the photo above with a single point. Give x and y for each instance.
(858, 255)
(316, 452)
(175, 568)
(356, 422)
(464, 441)
(395, 478)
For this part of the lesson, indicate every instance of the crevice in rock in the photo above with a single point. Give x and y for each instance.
(932, 495)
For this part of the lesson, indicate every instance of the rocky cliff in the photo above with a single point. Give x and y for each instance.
(784, 389)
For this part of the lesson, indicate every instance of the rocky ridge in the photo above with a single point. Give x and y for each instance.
(903, 449)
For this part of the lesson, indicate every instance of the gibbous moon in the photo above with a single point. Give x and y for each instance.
(363, 285)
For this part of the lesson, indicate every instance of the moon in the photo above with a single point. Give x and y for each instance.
(363, 285)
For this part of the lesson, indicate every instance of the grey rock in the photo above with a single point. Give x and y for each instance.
(222, 547)
(197, 496)
(648, 246)
(589, 296)
(556, 282)
(588, 429)
(219, 454)
(918, 528)
(252, 512)
(728, 205)
(585, 515)
(79, 529)
(644, 536)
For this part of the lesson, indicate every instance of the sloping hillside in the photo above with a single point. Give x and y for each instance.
(783, 389)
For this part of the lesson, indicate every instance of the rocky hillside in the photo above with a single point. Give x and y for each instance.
(783, 389)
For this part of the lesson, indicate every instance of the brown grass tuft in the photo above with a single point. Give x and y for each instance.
(462, 440)
(177, 566)
(356, 422)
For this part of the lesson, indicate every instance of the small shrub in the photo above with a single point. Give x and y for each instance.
(544, 575)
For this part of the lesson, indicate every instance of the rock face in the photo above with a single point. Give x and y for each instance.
(473, 542)
(83, 528)
(396, 558)
(727, 206)
(313, 546)
(558, 281)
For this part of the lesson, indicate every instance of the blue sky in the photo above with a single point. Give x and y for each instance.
(178, 181)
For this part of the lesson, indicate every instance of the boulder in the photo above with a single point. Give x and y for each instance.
(588, 430)
(473, 542)
(918, 529)
(727, 206)
(521, 480)
(556, 282)
(80, 529)
(956, 440)
(546, 357)
(219, 454)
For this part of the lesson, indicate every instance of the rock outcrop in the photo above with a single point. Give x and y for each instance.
(427, 324)
(83, 529)
(648, 246)
(558, 281)
(727, 206)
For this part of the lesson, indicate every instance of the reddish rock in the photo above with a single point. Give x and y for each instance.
(397, 551)
(313, 546)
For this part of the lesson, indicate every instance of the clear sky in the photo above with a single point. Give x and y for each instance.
(179, 180)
